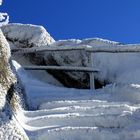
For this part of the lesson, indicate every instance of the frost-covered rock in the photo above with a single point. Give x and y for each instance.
(4, 17)
(9, 98)
(27, 35)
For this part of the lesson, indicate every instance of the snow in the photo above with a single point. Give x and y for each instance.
(62, 113)
(4, 17)
(0, 2)
(65, 113)
(27, 35)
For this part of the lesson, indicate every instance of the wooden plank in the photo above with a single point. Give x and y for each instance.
(64, 68)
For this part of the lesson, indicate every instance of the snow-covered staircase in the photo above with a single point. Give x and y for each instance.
(60, 113)
(87, 119)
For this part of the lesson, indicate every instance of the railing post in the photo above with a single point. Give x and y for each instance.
(92, 84)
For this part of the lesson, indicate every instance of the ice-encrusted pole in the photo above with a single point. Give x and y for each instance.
(92, 84)
(4, 17)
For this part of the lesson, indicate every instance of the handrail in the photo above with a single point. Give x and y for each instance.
(66, 68)
(87, 48)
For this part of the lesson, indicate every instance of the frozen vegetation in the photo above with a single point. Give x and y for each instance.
(56, 112)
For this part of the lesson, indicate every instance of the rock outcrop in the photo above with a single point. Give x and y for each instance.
(26, 35)
(9, 96)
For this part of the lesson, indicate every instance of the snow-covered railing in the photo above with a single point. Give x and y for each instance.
(87, 48)
(91, 70)
(112, 49)
(66, 68)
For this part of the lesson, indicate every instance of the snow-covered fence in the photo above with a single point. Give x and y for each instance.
(67, 68)
(91, 69)
(87, 48)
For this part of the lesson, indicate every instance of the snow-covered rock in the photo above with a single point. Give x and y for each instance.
(68, 58)
(27, 35)
(9, 98)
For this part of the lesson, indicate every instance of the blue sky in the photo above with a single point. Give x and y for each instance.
(117, 20)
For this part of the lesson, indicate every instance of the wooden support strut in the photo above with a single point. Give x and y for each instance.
(92, 84)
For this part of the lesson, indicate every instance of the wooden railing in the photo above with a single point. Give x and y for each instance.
(87, 48)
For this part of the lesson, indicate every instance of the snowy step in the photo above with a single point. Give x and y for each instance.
(86, 103)
(85, 133)
(102, 109)
(75, 133)
(76, 119)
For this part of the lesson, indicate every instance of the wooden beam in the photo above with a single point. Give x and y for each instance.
(64, 68)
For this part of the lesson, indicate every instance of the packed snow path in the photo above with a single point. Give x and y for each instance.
(69, 114)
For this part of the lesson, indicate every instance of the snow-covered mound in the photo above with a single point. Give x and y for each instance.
(26, 35)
